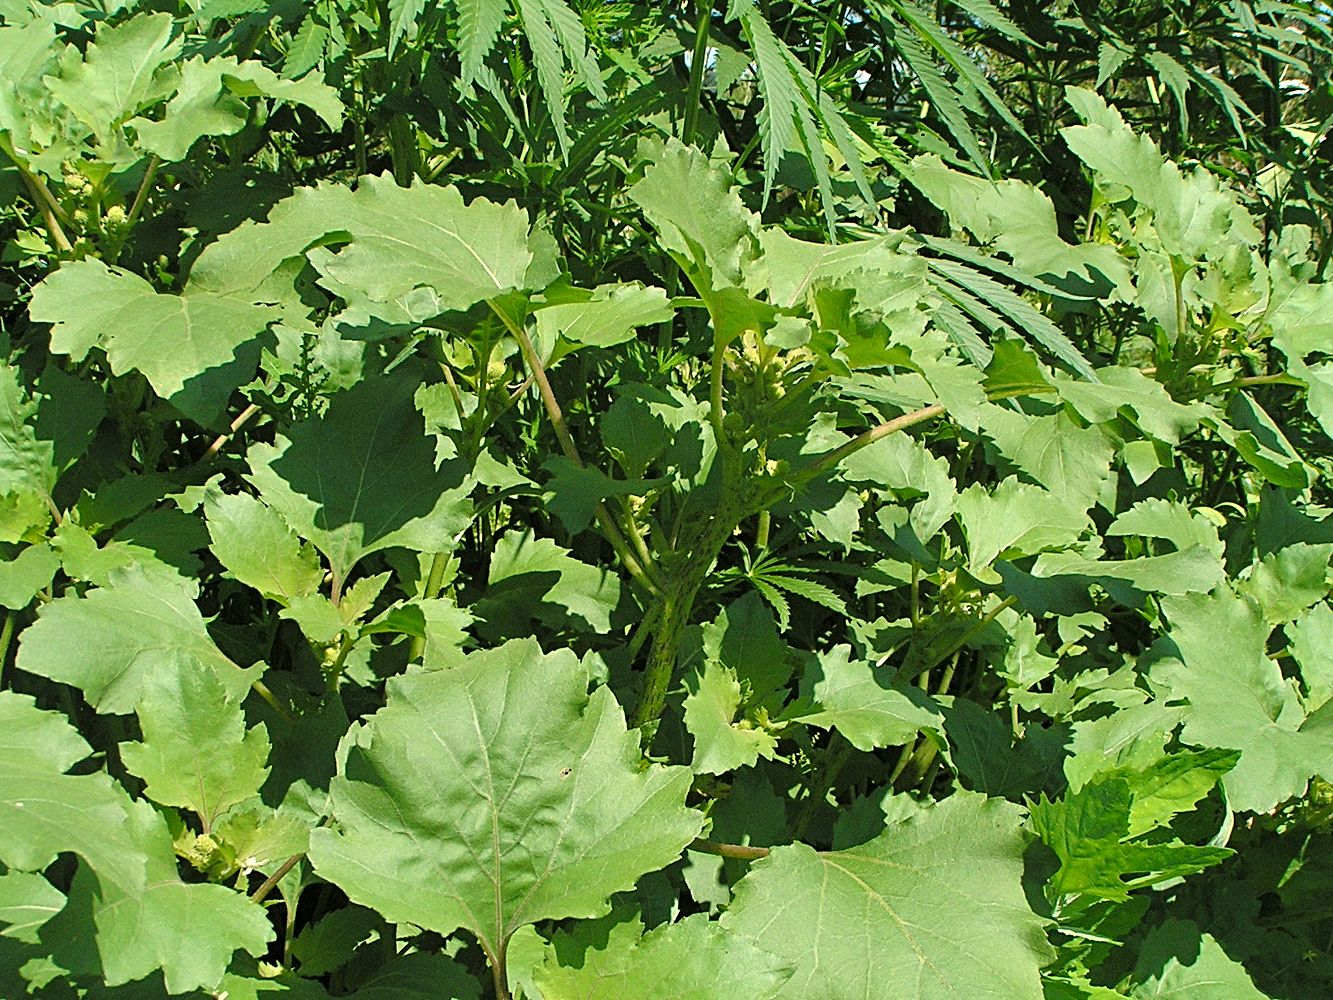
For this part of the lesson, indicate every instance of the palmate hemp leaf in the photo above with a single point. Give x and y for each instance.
(127, 892)
(931, 909)
(111, 641)
(496, 794)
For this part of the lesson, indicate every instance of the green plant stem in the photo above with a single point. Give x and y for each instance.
(261, 689)
(715, 397)
(762, 529)
(500, 975)
(694, 93)
(222, 439)
(644, 574)
(867, 438)
(6, 636)
(141, 196)
(683, 577)
(970, 634)
(439, 562)
(44, 205)
(267, 885)
(740, 852)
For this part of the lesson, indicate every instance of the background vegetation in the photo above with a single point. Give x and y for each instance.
(568, 499)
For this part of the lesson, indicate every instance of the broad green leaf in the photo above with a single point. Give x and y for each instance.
(395, 242)
(698, 217)
(692, 959)
(1191, 214)
(363, 477)
(145, 917)
(1177, 961)
(194, 349)
(22, 577)
(1174, 522)
(533, 577)
(1238, 699)
(420, 976)
(1194, 570)
(1311, 643)
(574, 491)
(209, 101)
(497, 794)
(254, 543)
(1017, 518)
(1071, 461)
(196, 752)
(1128, 391)
(1015, 218)
(26, 902)
(1090, 831)
(604, 317)
(1173, 785)
(26, 462)
(111, 641)
(117, 74)
(744, 638)
(1286, 582)
(849, 697)
(937, 900)
(721, 742)
(403, 239)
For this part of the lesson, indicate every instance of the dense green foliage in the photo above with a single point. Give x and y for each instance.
(775, 502)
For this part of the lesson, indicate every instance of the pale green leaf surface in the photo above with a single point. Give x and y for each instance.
(497, 794)
(698, 217)
(208, 102)
(109, 642)
(1238, 699)
(535, 577)
(1286, 582)
(931, 909)
(196, 752)
(1017, 517)
(116, 75)
(425, 236)
(26, 902)
(254, 543)
(849, 697)
(193, 349)
(1071, 461)
(744, 638)
(692, 959)
(363, 477)
(1127, 390)
(146, 918)
(1090, 832)
(22, 577)
(1178, 961)
(26, 462)
(610, 315)
(720, 745)
(1311, 640)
